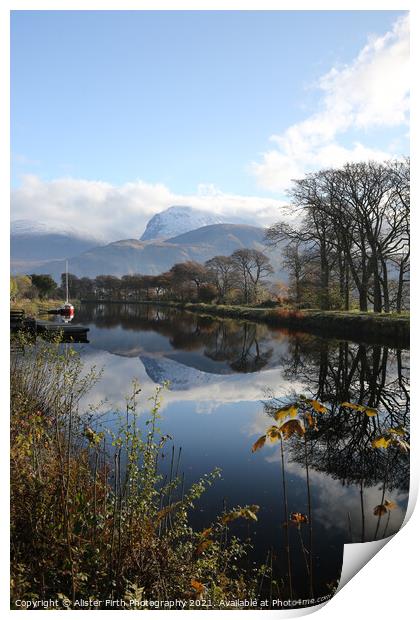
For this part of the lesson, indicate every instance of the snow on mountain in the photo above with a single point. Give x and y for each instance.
(176, 221)
(32, 243)
(31, 227)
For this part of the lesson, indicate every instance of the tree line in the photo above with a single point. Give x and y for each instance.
(349, 244)
(238, 278)
(348, 247)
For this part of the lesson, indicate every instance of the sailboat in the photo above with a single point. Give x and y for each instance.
(67, 309)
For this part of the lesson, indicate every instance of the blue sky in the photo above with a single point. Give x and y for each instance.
(181, 100)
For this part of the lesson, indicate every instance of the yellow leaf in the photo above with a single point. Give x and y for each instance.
(197, 585)
(259, 443)
(353, 406)
(249, 512)
(390, 505)
(291, 427)
(273, 433)
(318, 406)
(399, 430)
(381, 442)
(379, 510)
(286, 411)
(311, 421)
(231, 516)
(370, 411)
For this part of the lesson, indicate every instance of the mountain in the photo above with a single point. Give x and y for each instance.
(34, 243)
(177, 220)
(153, 257)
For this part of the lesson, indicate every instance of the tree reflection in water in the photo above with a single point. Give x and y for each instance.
(244, 347)
(341, 444)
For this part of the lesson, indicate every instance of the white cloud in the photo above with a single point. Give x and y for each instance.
(114, 212)
(371, 92)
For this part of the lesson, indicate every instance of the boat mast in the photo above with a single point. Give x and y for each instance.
(67, 281)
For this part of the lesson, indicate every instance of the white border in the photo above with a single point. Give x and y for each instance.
(388, 584)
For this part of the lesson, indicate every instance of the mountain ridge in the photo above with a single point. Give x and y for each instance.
(176, 220)
(128, 256)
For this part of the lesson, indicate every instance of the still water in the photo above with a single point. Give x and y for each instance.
(225, 377)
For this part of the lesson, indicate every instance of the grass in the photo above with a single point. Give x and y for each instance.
(392, 329)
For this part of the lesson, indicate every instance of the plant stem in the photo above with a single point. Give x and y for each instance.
(286, 519)
(308, 489)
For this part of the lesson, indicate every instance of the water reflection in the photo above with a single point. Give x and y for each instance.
(215, 346)
(238, 373)
(340, 372)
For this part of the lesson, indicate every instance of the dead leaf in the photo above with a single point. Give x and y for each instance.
(379, 510)
(259, 443)
(291, 427)
(273, 433)
(298, 518)
(203, 546)
(198, 586)
(311, 421)
(317, 406)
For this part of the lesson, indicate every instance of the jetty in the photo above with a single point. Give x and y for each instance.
(66, 332)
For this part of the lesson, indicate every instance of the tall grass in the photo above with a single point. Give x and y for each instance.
(92, 517)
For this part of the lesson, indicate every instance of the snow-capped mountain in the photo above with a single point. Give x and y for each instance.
(32, 242)
(31, 227)
(153, 257)
(176, 221)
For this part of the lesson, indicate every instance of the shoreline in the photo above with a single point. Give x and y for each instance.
(367, 327)
(37, 307)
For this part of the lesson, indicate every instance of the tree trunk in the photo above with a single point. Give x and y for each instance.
(385, 285)
(347, 288)
(325, 294)
(363, 298)
(400, 287)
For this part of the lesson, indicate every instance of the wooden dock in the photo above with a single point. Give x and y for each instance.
(67, 332)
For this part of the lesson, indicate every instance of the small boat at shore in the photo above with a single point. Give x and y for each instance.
(67, 309)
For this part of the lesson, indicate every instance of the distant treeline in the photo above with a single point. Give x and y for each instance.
(239, 278)
(351, 241)
(34, 287)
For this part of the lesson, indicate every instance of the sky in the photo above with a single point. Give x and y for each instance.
(117, 115)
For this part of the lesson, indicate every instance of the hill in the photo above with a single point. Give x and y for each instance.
(130, 256)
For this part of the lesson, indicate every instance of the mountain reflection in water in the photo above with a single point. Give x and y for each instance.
(226, 379)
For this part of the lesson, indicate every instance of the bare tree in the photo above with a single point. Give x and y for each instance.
(252, 267)
(356, 222)
(223, 274)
